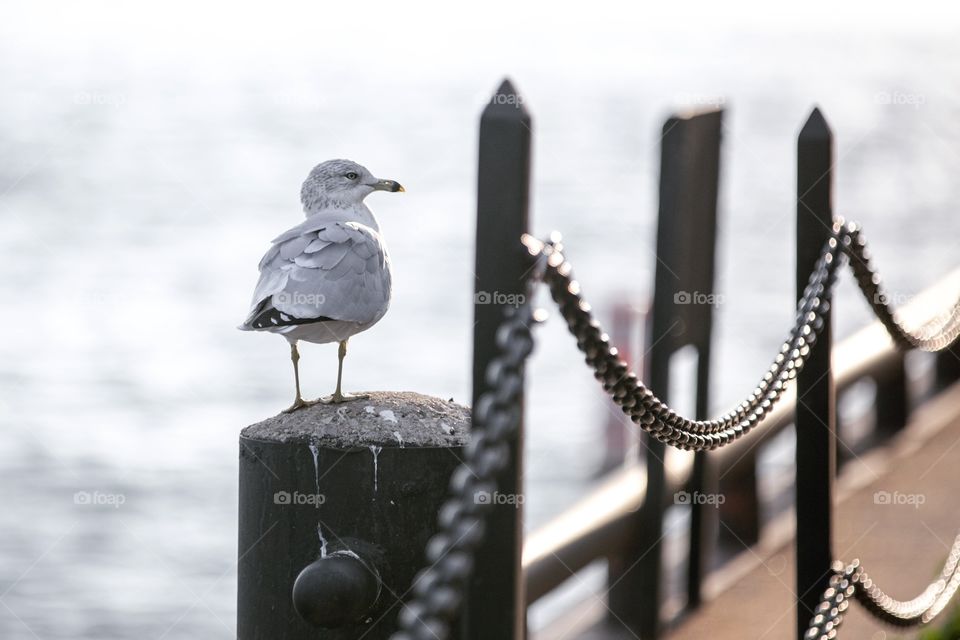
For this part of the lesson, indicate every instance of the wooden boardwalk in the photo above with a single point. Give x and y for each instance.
(902, 546)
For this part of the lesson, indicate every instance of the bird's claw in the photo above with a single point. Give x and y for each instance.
(339, 398)
(300, 403)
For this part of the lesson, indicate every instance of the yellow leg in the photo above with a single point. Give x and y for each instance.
(298, 401)
(338, 395)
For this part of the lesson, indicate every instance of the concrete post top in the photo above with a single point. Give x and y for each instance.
(385, 419)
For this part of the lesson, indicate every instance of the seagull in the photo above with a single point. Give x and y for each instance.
(328, 278)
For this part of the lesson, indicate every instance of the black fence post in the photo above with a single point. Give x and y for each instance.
(681, 315)
(705, 170)
(494, 607)
(740, 511)
(816, 408)
(947, 367)
(892, 399)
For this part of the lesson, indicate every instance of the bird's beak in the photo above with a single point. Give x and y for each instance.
(388, 185)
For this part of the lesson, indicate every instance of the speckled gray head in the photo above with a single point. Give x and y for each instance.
(340, 183)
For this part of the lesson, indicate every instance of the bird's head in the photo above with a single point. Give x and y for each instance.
(341, 183)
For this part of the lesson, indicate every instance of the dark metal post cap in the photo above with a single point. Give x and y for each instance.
(337, 590)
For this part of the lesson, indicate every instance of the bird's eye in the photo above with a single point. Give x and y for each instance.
(351, 176)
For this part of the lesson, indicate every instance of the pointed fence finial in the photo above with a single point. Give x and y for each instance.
(816, 126)
(506, 103)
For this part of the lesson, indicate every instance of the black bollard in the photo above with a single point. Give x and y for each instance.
(336, 506)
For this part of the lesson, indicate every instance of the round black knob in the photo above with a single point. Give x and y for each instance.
(336, 590)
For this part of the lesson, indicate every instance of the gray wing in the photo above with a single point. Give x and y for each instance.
(322, 271)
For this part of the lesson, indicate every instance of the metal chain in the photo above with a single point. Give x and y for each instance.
(934, 335)
(852, 581)
(439, 589)
(654, 416)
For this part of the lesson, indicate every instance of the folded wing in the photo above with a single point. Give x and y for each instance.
(322, 271)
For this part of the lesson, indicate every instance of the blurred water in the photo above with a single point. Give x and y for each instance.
(144, 172)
